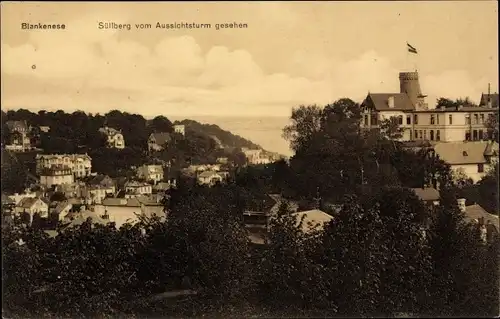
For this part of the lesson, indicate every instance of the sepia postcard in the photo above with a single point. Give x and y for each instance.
(250, 159)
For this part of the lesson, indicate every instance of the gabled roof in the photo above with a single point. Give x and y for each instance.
(79, 218)
(475, 212)
(427, 194)
(312, 218)
(455, 153)
(493, 97)
(27, 202)
(62, 205)
(17, 125)
(109, 131)
(161, 138)
(379, 101)
(101, 180)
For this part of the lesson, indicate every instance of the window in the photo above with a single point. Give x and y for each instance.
(438, 135)
(450, 119)
(467, 119)
(467, 136)
(482, 118)
(411, 135)
(425, 134)
(437, 119)
(476, 119)
(400, 120)
(480, 134)
(431, 135)
(408, 119)
(366, 120)
(464, 153)
(433, 119)
(416, 134)
(420, 134)
(373, 119)
(474, 135)
(480, 168)
(415, 119)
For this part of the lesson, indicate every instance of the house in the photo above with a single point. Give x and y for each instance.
(133, 188)
(158, 141)
(80, 164)
(473, 159)
(19, 139)
(180, 129)
(44, 129)
(479, 216)
(152, 173)
(463, 123)
(122, 210)
(18, 126)
(429, 195)
(60, 209)
(95, 194)
(16, 198)
(114, 137)
(256, 156)
(421, 123)
(76, 189)
(209, 178)
(57, 175)
(29, 206)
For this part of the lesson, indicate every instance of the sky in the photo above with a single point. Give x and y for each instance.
(291, 53)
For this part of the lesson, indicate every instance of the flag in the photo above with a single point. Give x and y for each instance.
(411, 49)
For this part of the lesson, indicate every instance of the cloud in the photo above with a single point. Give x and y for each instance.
(100, 70)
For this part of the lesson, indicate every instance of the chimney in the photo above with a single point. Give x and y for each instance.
(390, 102)
(461, 204)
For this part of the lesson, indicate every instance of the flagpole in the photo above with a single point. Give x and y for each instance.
(407, 59)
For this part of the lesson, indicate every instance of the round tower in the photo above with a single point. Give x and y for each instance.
(409, 84)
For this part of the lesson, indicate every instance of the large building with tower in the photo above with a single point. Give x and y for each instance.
(421, 123)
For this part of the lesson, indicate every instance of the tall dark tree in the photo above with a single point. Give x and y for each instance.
(161, 124)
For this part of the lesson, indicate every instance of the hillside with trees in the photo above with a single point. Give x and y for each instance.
(226, 138)
(78, 132)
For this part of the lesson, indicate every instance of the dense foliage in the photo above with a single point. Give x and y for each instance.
(373, 259)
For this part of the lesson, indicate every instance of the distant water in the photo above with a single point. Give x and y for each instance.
(264, 131)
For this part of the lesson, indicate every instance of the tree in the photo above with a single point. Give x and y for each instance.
(305, 121)
(288, 279)
(492, 126)
(448, 103)
(391, 129)
(58, 197)
(463, 266)
(238, 158)
(161, 124)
